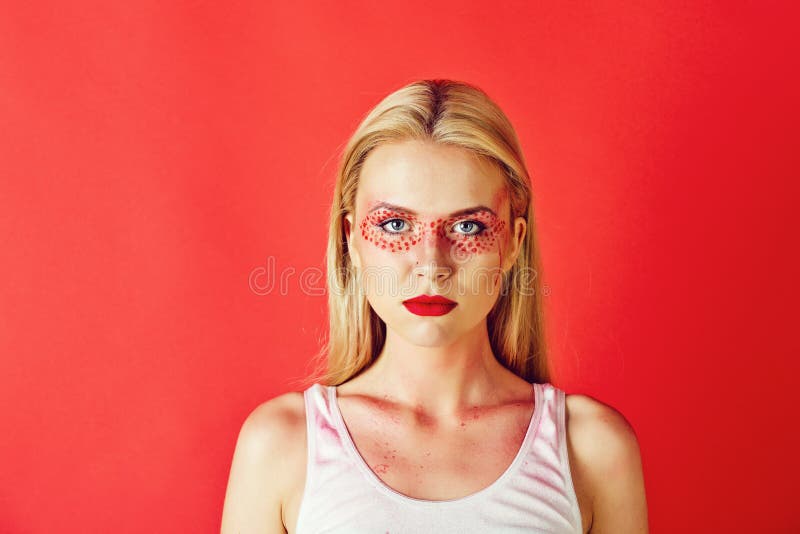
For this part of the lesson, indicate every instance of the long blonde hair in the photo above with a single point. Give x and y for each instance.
(451, 113)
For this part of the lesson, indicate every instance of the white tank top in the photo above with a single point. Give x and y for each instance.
(343, 495)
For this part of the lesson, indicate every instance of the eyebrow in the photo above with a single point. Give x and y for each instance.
(401, 209)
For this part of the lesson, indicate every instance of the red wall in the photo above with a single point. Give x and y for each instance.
(153, 155)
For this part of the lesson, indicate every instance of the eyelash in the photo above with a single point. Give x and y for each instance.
(481, 227)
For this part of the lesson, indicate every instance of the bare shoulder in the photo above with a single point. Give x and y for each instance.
(284, 413)
(269, 449)
(600, 430)
(606, 460)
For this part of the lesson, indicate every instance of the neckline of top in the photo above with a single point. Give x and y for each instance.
(530, 433)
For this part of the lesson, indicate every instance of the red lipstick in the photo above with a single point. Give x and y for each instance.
(428, 305)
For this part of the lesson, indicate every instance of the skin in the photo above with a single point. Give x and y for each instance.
(435, 395)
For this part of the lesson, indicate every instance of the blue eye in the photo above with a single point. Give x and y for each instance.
(393, 226)
(470, 227)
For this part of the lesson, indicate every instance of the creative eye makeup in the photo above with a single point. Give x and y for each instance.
(397, 229)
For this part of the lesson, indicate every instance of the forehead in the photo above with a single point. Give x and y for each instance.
(429, 178)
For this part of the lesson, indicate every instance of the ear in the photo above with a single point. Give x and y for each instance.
(348, 227)
(517, 237)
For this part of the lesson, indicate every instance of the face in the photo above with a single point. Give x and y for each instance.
(431, 219)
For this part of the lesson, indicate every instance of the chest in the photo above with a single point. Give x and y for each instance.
(437, 460)
(426, 459)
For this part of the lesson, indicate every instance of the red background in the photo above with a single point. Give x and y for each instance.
(153, 155)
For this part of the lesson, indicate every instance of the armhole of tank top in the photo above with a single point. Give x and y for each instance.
(310, 452)
(564, 453)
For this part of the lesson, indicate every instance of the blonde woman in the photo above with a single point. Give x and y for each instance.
(435, 412)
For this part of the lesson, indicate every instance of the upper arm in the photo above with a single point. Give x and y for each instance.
(259, 475)
(608, 457)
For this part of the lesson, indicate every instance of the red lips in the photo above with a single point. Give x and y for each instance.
(427, 305)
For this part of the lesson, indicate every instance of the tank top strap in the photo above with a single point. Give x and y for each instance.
(323, 451)
(324, 441)
(551, 447)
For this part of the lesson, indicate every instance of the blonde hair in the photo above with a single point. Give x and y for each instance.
(451, 113)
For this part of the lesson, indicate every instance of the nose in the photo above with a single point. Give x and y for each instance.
(433, 257)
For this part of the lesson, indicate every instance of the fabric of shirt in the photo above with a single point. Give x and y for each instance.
(535, 494)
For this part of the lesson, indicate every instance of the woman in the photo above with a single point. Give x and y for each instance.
(435, 413)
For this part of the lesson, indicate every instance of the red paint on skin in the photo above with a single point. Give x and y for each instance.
(381, 468)
(400, 231)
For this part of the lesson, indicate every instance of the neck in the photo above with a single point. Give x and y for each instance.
(439, 380)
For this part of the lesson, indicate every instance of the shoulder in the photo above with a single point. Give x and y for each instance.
(601, 431)
(274, 432)
(269, 423)
(604, 451)
(269, 451)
